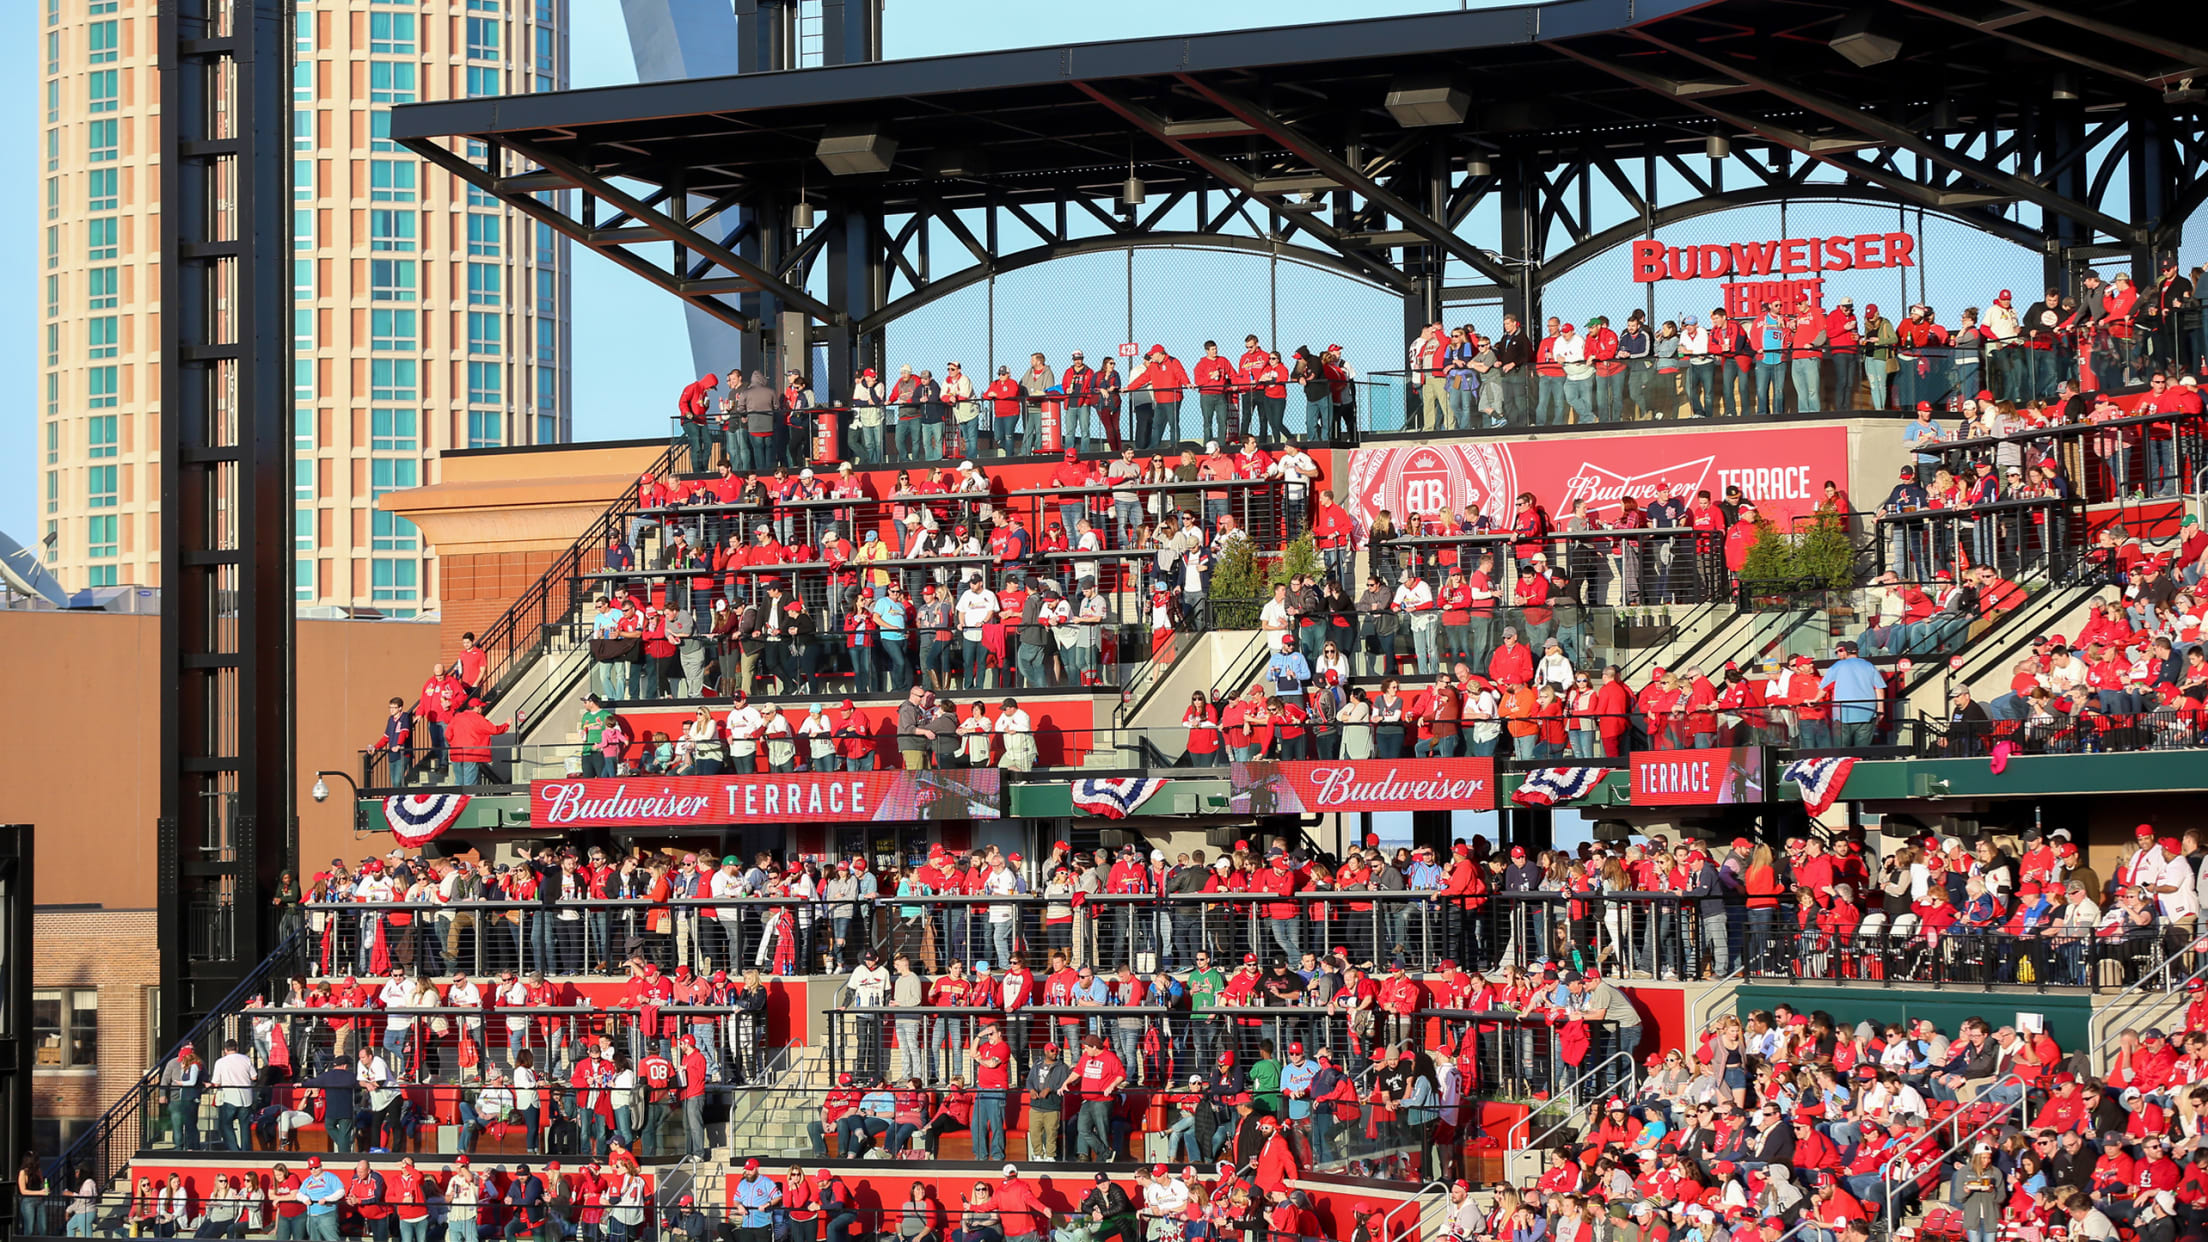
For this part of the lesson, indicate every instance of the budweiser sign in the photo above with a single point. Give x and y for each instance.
(1782, 470)
(1712, 777)
(791, 798)
(1327, 786)
(1786, 272)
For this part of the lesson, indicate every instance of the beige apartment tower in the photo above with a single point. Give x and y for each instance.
(427, 316)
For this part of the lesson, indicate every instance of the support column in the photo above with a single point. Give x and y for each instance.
(853, 277)
(2061, 131)
(1520, 202)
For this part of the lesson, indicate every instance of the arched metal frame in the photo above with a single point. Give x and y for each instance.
(1111, 243)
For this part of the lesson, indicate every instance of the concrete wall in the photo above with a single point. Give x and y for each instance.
(84, 762)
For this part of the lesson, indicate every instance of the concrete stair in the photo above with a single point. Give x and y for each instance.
(770, 1124)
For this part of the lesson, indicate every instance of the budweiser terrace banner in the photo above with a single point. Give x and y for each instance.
(1782, 470)
(1291, 787)
(792, 798)
(1719, 776)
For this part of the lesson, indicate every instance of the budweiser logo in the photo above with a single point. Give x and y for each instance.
(1602, 488)
(572, 802)
(1339, 786)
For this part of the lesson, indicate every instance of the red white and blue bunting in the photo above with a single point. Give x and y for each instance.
(1115, 799)
(1821, 780)
(419, 818)
(1548, 786)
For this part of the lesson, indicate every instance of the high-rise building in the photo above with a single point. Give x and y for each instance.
(427, 316)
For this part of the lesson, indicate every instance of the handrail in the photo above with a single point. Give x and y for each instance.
(128, 1108)
(1570, 1091)
(2119, 1010)
(1417, 1197)
(1886, 1182)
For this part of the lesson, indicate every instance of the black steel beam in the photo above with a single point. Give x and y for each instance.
(226, 827)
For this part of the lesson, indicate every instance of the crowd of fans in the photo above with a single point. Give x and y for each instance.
(1801, 358)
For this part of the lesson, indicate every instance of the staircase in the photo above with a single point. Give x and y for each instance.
(770, 1124)
(1987, 654)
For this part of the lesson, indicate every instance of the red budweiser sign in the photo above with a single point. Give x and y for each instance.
(1784, 271)
(1326, 785)
(1713, 777)
(790, 798)
(1783, 470)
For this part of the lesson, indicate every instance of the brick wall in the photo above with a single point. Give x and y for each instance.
(119, 953)
(477, 587)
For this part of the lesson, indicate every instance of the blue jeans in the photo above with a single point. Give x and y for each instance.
(1460, 407)
(1548, 400)
(1808, 375)
(908, 439)
(1580, 395)
(988, 1125)
(1770, 389)
(1701, 389)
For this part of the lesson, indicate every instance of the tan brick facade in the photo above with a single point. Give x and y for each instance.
(119, 953)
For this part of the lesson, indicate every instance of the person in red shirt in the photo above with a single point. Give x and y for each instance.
(1601, 344)
(1158, 421)
(1215, 381)
(1512, 661)
(469, 735)
(693, 409)
(1336, 537)
(1279, 881)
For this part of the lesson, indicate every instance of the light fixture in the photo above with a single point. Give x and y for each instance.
(850, 149)
(801, 216)
(1131, 191)
(1943, 114)
(321, 790)
(1717, 146)
(1419, 102)
(2065, 89)
(1477, 166)
(1859, 39)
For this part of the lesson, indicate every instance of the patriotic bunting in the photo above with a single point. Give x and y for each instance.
(1549, 786)
(419, 818)
(1115, 799)
(1821, 780)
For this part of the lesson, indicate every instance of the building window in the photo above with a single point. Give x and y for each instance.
(100, 336)
(480, 199)
(302, 579)
(393, 331)
(302, 417)
(53, 344)
(302, 230)
(99, 238)
(302, 33)
(391, 533)
(393, 379)
(302, 82)
(302, 327)
(483, 235)
(103, 90)
(302, 130)
(484, 329)
(391, 82)
(486, 381)
(302, 181)
(393, 581)
(99, 487)
(101, 385)
(392, 431)
(548, 385)
(53, 489)
(99, 536)
(104, 140)
(391, 34)
(302, 530)
(302, 383)
(391, 280)
(302, 279)
(390, 181)
(391, 474)
(548, 340)
(100, 576)
(53, 198)
(100, 438)
(482, 38)
(102, 43)
(99, 186)
(97, 7)
(484, 282)
(53, 442)
(391, 230)
(483, 82)
(484, 428)
(302, 478)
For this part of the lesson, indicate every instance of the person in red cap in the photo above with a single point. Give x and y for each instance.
(1160, 383)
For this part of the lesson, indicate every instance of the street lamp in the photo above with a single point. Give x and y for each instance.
(321, 790)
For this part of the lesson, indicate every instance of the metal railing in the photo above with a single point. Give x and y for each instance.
(1880, 954)
(109, 1143)
(1898, 1173)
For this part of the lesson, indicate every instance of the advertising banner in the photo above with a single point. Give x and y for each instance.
(1783, 470)
(791, 798)
(1303, 786)
(1719, 776)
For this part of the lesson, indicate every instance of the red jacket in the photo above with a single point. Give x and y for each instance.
(697, 400)
(1165, 380)
(468, 736)
(1214, 375)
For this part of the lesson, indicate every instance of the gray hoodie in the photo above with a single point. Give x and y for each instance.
(757, 400)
